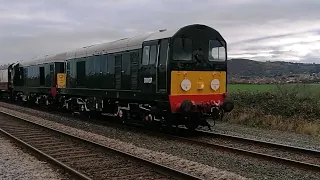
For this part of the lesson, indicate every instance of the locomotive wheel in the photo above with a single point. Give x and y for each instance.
(222, 114)
(192, 122)
(123, 116)
(192, 126)
(186, 106)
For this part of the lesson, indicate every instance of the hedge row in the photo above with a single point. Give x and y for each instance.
(286, 103)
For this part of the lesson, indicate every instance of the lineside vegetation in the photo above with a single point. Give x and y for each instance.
(294, 108)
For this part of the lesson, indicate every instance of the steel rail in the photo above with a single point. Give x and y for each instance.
(156, 166)
(259, 142)
(267, 157)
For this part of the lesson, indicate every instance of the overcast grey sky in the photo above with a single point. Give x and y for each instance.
(257, 29)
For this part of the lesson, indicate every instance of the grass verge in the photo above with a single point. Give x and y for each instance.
(287, 109)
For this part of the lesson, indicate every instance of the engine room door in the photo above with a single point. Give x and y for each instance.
(148, 67)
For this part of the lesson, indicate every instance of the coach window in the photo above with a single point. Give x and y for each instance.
(153, 54)
(182, 49)
(146, 55)
(217, 52)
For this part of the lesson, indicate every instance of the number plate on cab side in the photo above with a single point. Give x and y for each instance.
(147, 80)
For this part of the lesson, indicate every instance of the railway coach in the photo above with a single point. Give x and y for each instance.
(172, 77)
(6, 80)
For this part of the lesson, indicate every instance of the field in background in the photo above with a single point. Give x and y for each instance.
(305, 89)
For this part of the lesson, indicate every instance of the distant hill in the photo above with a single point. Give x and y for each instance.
(250, 68)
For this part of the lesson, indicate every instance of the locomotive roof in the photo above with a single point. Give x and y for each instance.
(46, 59)
(124, 44)
(108, 47)
(104, 48)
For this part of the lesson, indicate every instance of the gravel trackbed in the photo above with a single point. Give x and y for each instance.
(16, 164)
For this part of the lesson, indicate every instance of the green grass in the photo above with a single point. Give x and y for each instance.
(288, 107)
(314, 89)
(251, 87)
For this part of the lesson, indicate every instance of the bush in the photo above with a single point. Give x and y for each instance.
(292, 109)
(283, 102)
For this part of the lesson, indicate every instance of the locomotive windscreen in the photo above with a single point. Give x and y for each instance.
(182, 49)
(217, 52)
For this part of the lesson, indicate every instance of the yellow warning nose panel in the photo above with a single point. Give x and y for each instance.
(198, 82)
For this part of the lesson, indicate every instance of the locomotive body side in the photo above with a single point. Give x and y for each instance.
(111, 76)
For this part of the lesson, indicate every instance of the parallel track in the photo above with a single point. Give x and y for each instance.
(300, 157)
(289, 155)
(83, 158)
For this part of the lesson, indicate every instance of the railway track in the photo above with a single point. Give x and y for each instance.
(82, 158)
(279, 153)
(289, 155)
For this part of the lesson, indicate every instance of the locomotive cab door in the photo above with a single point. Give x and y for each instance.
(148, 67)
(162, 65)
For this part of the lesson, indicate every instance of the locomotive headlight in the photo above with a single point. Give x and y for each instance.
(215, 84)
(185, 84)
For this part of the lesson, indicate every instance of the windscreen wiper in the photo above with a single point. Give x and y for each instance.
(201, 60)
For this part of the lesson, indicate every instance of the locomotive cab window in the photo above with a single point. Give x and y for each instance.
(153, 54)
(217, 51)
(149, 55)
(182, 49)
(145, 55)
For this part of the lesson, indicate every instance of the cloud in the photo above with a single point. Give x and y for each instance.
(285, 47)
(262, 30)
